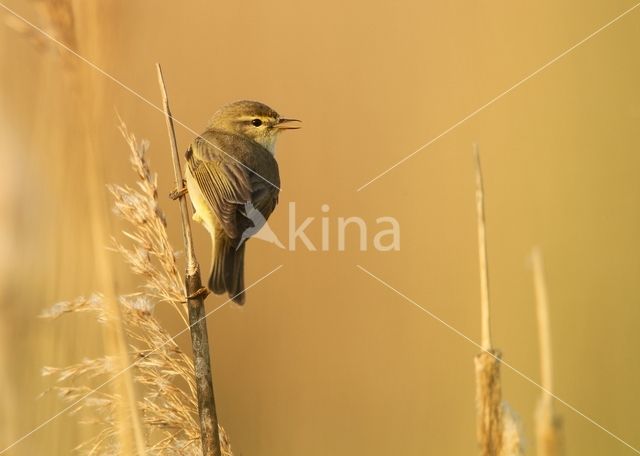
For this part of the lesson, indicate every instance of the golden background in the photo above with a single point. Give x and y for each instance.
(323, 360)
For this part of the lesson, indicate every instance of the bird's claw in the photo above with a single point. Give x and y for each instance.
(179, 192)
(203, 292)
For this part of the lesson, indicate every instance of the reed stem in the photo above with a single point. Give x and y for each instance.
(485, 316)
(548, 423)
(209, 433)
(487, 362)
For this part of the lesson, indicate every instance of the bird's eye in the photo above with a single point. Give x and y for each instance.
(256, 122)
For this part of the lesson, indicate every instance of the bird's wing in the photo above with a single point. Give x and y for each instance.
(222, 180)
(264, 196)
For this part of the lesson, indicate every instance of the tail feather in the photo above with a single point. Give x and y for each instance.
(216, 278)
(227, 271)
(234, 274)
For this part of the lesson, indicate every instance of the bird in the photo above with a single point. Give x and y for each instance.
(231, 173)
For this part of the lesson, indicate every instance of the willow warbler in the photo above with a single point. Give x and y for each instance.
(231, 172)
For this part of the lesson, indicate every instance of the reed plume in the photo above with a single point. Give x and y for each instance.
(164, 374)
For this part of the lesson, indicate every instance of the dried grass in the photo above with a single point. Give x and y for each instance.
(163, 372)
(489, 403)
(548, 423)
(497, 430)
(511, 433)
(548, 430)
(58, 19)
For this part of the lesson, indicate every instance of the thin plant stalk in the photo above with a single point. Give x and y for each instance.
(210, 437)
(485, 317)
(131, 434)
(487, 362)
(548, 428)
(498, 430)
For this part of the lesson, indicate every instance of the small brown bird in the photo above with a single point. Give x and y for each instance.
(232, 172)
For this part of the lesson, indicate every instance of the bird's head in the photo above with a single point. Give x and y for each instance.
(253, 120)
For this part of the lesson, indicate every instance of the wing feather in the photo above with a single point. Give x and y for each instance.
(228, 182)
(223, 182)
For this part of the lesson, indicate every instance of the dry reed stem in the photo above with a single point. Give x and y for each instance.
(60, 16)
(54, 150)
(497, 430)
(487, 363)
(192, 264)
(210, 438)
(488, 403)
(548, 424)
(485, 317)
(114, 333)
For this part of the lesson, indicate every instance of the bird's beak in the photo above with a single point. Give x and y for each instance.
(285, 124)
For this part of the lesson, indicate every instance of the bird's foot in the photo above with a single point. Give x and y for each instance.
(179, 192)
(201, 293)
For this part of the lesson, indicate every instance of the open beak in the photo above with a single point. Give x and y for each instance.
(285, 124)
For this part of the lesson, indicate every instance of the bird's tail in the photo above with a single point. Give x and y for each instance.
(227, 272)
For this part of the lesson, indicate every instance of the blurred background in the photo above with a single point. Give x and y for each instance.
(323, 360)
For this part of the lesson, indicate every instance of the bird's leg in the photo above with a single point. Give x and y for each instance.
(202, 292)
(179, 192)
